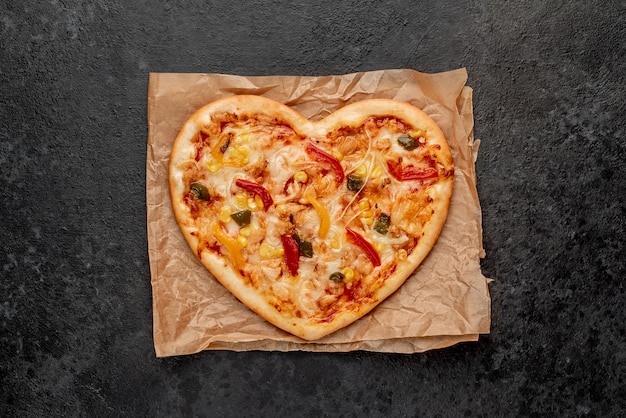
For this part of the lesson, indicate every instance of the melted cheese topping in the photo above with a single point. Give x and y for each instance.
(272, 155)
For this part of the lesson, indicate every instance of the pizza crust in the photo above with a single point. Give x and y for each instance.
(221, 265)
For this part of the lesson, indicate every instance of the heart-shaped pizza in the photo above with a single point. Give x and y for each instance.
(311, 224)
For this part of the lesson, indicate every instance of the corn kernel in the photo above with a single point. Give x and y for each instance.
(301, 177)
(243, 241)
(368, 221)
(379, 247)
(335, 244)
(337, 154)
(213, 166)
(361, 171)
(241, 200)
(252, 205)
(376, 172)
(402, 255)
(238, 160)
(259, 202)
(265, 250)
(348, 274)
(225, 214)
(243, 151)
(364, 204)
(417, 133)
(282, 209)
(246, 231)
(368, 213)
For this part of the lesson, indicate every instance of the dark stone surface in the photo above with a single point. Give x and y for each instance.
(75, 297)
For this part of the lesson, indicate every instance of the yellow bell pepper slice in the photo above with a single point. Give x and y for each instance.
(232, 245)
(321, 212)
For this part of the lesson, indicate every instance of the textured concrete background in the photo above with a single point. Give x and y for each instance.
(75, 297)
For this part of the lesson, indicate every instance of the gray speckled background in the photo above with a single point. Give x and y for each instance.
(75, 297)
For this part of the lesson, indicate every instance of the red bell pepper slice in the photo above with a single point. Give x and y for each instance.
(359, 241)
(258, 190)
(323, 157)
(289, 181)
(292, 254)
(410, 172)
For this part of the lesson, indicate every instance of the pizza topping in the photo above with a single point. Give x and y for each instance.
(321, 211)
(301, 177)
(382, 224)
(305, 248)
(258, 190)
(408, 142)
(240, 199)
(232, 246)
(213, 166)
(337, 276)
(323, 157)
(238, 156)
(225, 145)
(242, 218)
(292, 254)
(348, 274)
(267, 251)
(410, 172)
(355, 183)
(220, 146)
(288, 183)
(199, 191)
(362, 243)
(224, 214)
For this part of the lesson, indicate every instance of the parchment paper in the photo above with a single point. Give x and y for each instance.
(446, 300)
